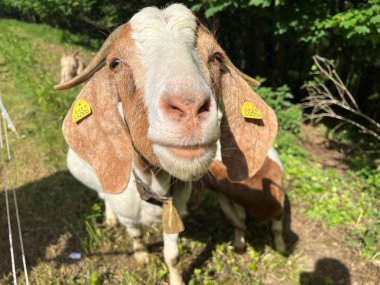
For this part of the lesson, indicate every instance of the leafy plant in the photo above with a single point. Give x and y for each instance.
(288, 114)
(346, 201)
(88, 230)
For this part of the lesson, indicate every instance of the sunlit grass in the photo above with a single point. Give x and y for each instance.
(66, 217)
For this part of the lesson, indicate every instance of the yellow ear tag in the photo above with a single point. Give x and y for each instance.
(250, 111)
(81, 110)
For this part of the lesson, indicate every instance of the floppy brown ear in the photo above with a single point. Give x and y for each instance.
(102, 138)
(244, 142)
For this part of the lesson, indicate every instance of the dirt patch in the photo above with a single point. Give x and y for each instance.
(326, 256)
(323, 253)
(326, 153)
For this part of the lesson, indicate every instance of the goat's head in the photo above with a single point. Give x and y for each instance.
(170, 75)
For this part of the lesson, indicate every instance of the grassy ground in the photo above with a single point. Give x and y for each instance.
(332, 228)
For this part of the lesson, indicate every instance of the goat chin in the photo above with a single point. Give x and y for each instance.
(185, 169)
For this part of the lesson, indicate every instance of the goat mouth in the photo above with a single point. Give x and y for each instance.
(189, 152)
(187, 163)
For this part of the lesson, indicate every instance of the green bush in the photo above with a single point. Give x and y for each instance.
(276, 38)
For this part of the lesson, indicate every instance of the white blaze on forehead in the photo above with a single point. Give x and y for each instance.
(156, 31)
(165, 43)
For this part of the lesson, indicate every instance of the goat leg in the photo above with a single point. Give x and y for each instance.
(140, 253)
(279, 243)
(239, 239)
(110, 216)
(236, 215)
(171, 258)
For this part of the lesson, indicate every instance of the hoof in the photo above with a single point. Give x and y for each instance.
(111, 222)
(239, 248)
(279, 245)
(176, 280)
(239, 241)
(142, 257)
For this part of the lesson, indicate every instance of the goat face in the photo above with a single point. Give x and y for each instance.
(170, 75)
(181, 108)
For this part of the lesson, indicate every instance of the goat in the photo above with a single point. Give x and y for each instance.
(71, 66)
(146, 121)
(262, 196)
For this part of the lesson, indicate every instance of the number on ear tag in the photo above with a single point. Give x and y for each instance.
(250, 111)
(81, 110)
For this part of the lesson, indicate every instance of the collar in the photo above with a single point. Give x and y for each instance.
(148, 195)
(171, 220)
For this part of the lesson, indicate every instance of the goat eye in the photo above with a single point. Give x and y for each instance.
(216, 57)
(115, 64)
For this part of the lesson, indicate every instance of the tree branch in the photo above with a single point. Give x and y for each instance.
(323, 103)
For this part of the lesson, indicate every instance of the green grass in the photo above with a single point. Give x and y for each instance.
(29, 55)
(61, 216)
(348, 201)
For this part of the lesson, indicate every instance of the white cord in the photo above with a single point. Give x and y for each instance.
(7, 118)
(16, 206)
(6, 138)
(8, 214)
(21, 240)
(8, 122)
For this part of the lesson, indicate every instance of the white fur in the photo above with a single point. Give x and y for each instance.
(183, 168)
(218, 155)
(171, 258)
(131, 211)
(273, 155)
(165, 40)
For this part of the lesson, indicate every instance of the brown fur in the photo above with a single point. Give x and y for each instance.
(134, 110)
(245, 142)
(105, 142)
(261, 195)
(102, 138)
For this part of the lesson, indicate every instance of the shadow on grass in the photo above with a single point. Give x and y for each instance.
(46, 207)
(209, 225)
(51, 206)
(327, 271)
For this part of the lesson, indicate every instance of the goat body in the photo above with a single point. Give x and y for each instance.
(153, 89)
(261, 196)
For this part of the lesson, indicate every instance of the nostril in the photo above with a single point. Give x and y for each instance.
(205, 107)
(190, 106)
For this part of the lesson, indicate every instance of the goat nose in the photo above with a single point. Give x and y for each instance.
(184, 107)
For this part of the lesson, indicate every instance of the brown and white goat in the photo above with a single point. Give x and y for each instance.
(261, 196)
(71, 66)
(154, 88)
